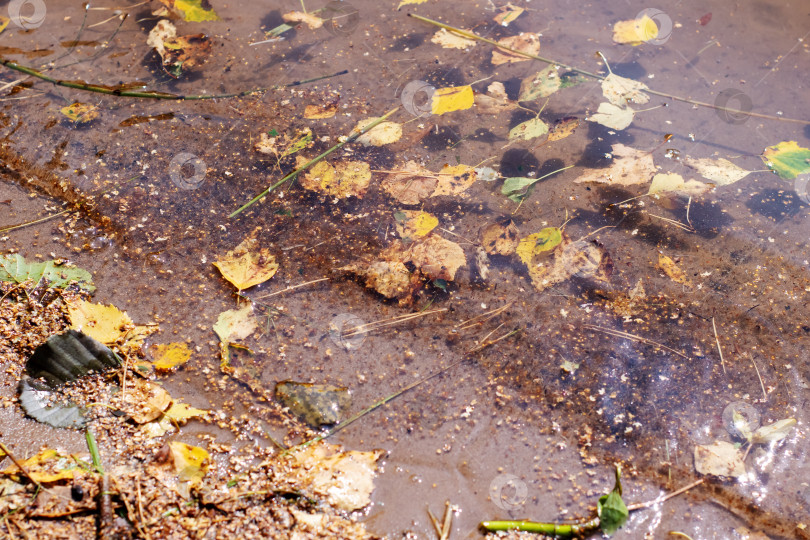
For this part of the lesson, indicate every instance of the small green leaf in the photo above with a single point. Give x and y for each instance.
(611, 509)
(273, 133)
(16, 269)
(440, 283)
(302, 140)
(788, 159)
(540, 85)
(528, 130)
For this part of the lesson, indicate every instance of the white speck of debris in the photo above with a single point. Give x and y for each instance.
(771, 240)
(706, 274)
(563, 312)
(203, 259)
(635, 232)
(483, 305)
(691, 137)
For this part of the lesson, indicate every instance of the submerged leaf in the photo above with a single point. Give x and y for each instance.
(15, 269)
(345, 179)
(415, 224)
(192, 10)
(380, 135)
(629, 167)
(773, 432)
(46, 467)
(621, 90)
(316, 404)
(247, 265)
(534, 244)
(528, 130)
(668, 266)
(451, 40)
(454, 180)
(411, 184)
(236, 324)
(80, 113)
(541, 84)
(720, 458)
(500, 238)
(312, 21)
(563, 127)
(526, 42)
(674, 183)
(190, 462)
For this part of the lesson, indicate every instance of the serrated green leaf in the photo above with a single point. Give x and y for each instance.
(15, 269)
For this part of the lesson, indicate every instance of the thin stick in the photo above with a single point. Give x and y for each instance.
(719, 349)
(674, 222)
(312, 162)
(376, 325)
(668, 496)
(5, 449)
(488, 343)
(492, 313)
(761, 384)
(619, 333)
(292, 288)
(471, 35)
(27, 223)
(114, 91)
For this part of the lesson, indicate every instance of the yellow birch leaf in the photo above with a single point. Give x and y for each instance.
(454, 98)
(191, 10)
(451, 40)
(534, 244)
(190, 462)
(45, 467)
(246, 265)
(415, 223)
(635, 32)
(236, 324)
(381, 134)
(180, 412)
(319, 112)
(668, 266)
(3, 23)
(166, 356)
(510, 14)
(80, 112)
(106, 324)
(454, 180)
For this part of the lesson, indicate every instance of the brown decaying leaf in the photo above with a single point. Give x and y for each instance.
(144, 401)
(630, 166)
(314, 22)
(345, 179)
(526, 42)
(580, 258)
(392, 279)
(436, 257)
(412, 185)
(501, 237)
(494, 101)
(668, 266)
(563, 127)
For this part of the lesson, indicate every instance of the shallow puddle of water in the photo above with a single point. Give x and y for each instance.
(508, 416)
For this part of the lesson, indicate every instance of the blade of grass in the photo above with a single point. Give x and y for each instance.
(94, 453)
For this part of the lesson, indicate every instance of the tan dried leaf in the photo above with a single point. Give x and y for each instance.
(411, 184)
(500, 238)
(630, 166)
(526, 42)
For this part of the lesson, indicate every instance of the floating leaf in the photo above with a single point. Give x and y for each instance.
(313, 21)
(635, 31)
(454, 180)
(526, 42)
(773, 432)
(720, 458)
(246, 265)
(80, 113)
(415, 224)
(534, 244)
(528, 130)
(540, 85)
(454, 98)
(190, 462)
(381, 134)
(612, 116)
(487, 174)
(182, 53)
(392, 279)
(620, 90)
(788, 159)
(316, 404)
(344, 479)
(500, 238)
(15, 269)
(170, 355)
(563, 127)
(436, 257)
(192, 10)
(236, 324)
(345, 179)
(629, 167)
(612, 511)
(674, 183)
(451, 40)
(107, 324)
(720, 171)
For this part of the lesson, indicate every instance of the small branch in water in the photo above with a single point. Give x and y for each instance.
(293, 287)
(719, 349)
(27, 223)
(122, 91)
(619, 333)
